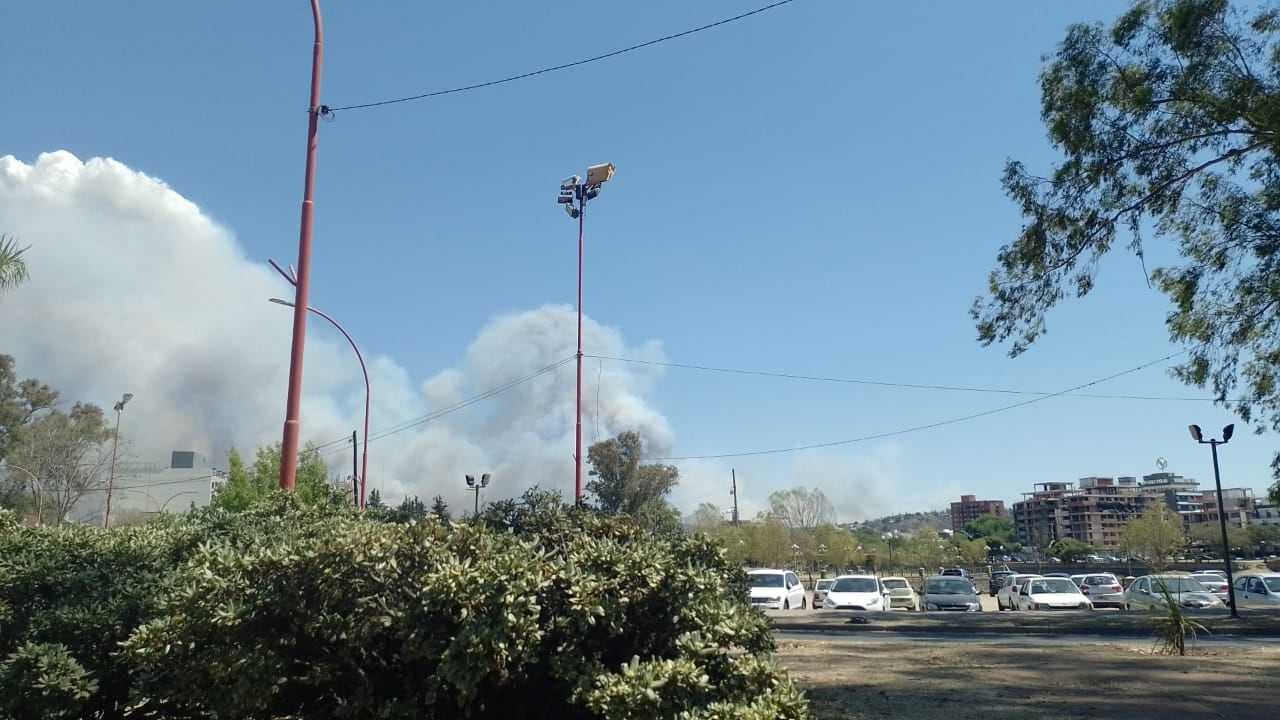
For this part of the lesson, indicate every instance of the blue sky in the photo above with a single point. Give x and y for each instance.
(812, 190)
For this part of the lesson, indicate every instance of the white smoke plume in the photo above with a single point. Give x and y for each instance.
(134, 289)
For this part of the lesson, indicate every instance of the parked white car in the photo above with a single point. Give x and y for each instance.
(1007, 597)
(777, 590)
(857, 592)
(1258, 590)
(901, 594)
(1147, 593)
(1051, 593)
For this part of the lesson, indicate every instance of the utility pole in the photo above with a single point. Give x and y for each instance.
(734, 474)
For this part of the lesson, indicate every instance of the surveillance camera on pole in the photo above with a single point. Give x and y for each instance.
(574, 195)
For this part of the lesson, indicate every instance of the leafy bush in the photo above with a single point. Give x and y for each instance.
(68, 597)
(42, 680)
(535, 612)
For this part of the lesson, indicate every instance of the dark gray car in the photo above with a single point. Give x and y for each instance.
(949, 592)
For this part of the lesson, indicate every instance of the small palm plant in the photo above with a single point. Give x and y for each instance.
(1173, 626)
(13, 266)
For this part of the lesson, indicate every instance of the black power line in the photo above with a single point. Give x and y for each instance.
(424, 419)
(888, 384)
(929, 426)
(328, 111)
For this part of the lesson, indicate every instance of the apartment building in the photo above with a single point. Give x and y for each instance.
(1181, 494)
(1097, 511)
(1092, 511)
(1239, 503)
(1037, 516)
(970, 508)
(1264, 513)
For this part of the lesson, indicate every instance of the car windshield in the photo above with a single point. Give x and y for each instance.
(1210, 579)
(1100, 580)
(1052, 585)
(823, 584)
(766, 580)
(1177, 584)
(948, 586)
(895, 583)
(1273, 584)
(854, 585)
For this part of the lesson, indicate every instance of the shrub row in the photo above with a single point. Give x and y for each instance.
(537, 612)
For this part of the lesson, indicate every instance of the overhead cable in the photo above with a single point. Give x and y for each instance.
(918, 428)
(328, 111)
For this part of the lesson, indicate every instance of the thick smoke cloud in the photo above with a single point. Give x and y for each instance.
(134, 288)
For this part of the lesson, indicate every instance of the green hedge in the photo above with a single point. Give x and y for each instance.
(538, 612)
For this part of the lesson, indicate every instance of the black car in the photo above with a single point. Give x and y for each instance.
(949, 592)
(997, 580)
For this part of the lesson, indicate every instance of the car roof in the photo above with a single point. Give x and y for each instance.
(945, 577)
(893, 577)
(860, 577)
(760, 571)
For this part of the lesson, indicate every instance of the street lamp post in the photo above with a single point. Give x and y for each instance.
(302, 279)
(476, 486)
(115, 444)
(1213, 444)
(574, 194)
(364, 460)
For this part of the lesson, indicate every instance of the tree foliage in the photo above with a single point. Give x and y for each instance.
(997, 531)
(1156, 535)
(60, 457)
(801, 508)
(248, 485)
(1169, 123)
(623, 485)
(1070, 550)
(1210, 536)
(20, 402)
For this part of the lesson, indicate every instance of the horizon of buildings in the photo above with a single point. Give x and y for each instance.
(1094, 510)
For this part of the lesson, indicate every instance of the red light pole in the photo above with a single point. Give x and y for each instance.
(301, 281)
(574, 194)
(364, 461)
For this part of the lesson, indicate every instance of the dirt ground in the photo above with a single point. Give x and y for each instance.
(922, 680)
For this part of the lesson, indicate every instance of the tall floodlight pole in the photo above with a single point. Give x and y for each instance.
(1198, 436)
(115, 444)
(364, 462)
(302, 279)
(476, 486)
(574, 195)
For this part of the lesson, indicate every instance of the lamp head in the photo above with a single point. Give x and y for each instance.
(278, 301)
(471, 481)
(127, 397)
(1195, 433)
(1228, 431)
(484, 480)
(602, 173)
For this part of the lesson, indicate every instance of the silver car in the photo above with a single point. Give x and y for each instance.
(1147, 593)
(820, 589)
(1102, 589)
(1215, 584)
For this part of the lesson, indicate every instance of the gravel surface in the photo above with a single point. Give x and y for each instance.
(1093, 680)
